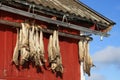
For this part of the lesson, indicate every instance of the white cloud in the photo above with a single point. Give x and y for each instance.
(108, 56)
(96, 77)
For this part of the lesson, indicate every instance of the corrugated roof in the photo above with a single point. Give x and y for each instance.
(74, 7)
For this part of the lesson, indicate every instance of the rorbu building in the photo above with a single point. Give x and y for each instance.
(48, 39)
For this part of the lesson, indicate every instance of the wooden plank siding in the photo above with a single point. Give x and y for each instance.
(8, 71)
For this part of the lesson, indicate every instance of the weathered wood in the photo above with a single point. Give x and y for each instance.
(12, 24)
(49, 20)
(18, 25)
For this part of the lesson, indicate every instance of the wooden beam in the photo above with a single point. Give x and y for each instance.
(49, 20)
(18, 25)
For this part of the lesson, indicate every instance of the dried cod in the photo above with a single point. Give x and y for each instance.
(54, 55)
(84, 55)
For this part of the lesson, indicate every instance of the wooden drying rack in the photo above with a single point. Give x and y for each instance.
(18, 25)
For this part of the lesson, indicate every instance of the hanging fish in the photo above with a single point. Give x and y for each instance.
(59, 58)
(85, 56)
(81, 50)
(32, 41)
(16, 49)
(25, 43)
(42, 51)
(55, 59)
(50, 49)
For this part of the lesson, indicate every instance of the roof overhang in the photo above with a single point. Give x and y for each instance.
(49, 20)
(60, 14)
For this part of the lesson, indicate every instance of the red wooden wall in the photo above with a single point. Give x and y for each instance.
(69, 52)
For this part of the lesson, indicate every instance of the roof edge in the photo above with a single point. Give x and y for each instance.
(97, 13)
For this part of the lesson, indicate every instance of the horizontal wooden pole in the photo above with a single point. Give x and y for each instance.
(18, 25)
(49, 20)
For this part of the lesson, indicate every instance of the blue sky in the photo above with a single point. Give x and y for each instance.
(106, 53)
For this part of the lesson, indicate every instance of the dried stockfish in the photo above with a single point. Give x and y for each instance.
(16, 50)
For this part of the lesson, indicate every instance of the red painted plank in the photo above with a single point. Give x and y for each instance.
(70, 59)
(2, 29)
